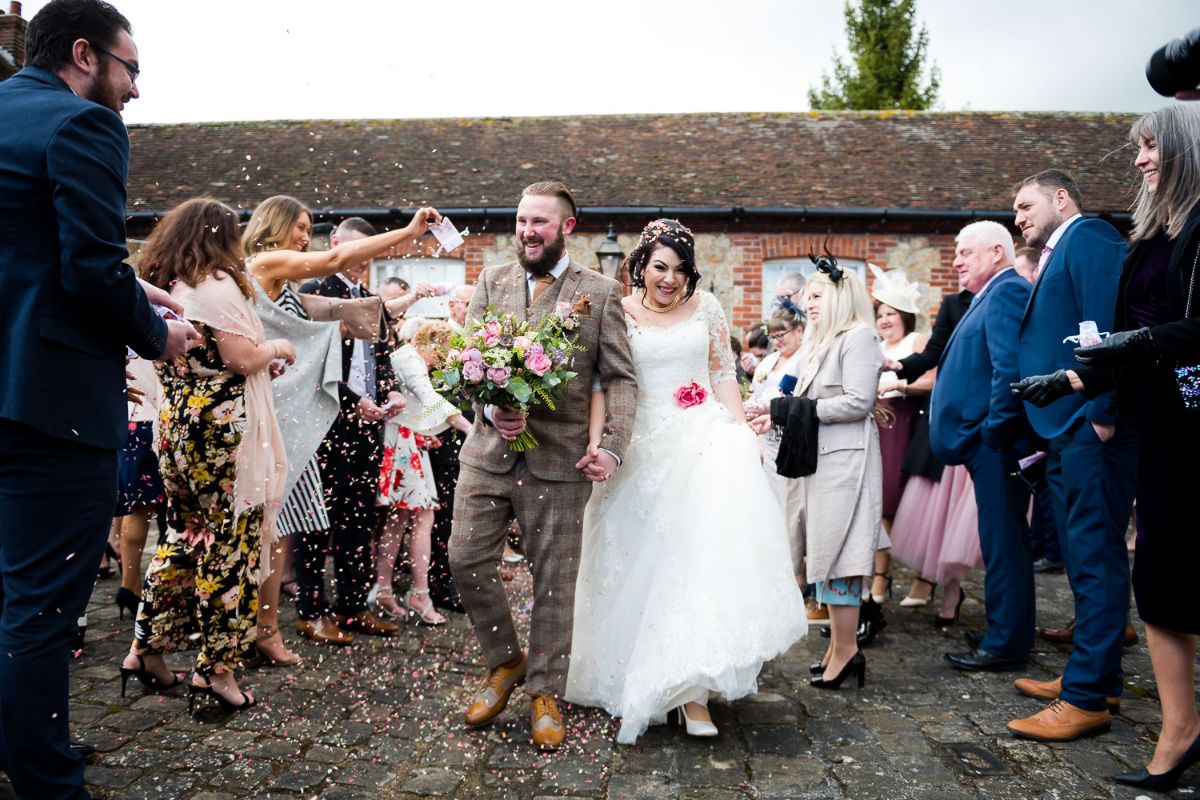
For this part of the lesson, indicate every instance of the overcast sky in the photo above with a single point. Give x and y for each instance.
(301, 59)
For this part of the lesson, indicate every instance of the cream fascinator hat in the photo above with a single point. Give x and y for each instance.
(893, 288)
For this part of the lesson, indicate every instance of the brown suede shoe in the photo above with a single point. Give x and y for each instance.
(493, 696)
(1050, 690)
(366, 622)
(1060, 722)
(1066, 634)
(323, 631)
(546, 722)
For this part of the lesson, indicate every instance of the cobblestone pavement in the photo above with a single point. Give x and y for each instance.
(381, 719)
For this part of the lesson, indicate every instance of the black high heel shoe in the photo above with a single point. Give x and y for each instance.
(127, 600)
(195, 691)
(147, 678)
(816, 668)
(856, 665)
(941, 622)
(1145, 779)
(106, 572)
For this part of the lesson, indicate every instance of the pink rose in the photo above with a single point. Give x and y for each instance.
(492, 329)
(562, 310)
(472, 354)
(499, 375)
(538, 363)
(522, 343)
(473, 372)
(691, 395)
(491, 340)
(453, 355)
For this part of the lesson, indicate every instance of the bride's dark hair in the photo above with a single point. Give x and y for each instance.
(672, 234)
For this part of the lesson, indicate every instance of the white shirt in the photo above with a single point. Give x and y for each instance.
(357, 382)
(1058, 233)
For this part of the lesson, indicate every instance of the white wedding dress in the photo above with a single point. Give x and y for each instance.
(685, 580)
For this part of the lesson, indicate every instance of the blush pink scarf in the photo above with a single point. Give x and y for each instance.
(260, 464)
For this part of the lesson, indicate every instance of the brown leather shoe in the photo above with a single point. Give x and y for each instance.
(1050, 690)
(366, 622)
(1063, 635)
(1066, 634)
(1061, 722)
(323, 630)
(546, 722)
(493, 695)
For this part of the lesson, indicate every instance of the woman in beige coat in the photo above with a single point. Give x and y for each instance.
(844, 496)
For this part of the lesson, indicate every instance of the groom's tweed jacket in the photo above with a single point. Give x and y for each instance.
(562, 434)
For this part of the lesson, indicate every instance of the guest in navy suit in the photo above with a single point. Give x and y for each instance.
(1091, 454)
(69, 308)
(975, 420)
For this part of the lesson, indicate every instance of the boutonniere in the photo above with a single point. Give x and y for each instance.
(583, 305)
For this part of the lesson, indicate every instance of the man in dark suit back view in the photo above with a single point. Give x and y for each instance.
(68, 311)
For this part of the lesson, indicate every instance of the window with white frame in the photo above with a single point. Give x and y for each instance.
(445, 273)
(776, 268)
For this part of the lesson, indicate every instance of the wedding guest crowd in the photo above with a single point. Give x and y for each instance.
(278, 413)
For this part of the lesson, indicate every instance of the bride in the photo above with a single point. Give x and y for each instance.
(685, 584)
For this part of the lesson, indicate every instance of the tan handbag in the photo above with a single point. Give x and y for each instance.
(362, 317)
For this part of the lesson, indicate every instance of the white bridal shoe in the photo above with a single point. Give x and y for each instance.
(695, 727)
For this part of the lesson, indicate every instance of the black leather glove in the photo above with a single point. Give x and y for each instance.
(1042, 390)
(1118, 348)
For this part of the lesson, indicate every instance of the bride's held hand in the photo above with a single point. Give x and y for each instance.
(598, 465)
(761, 424)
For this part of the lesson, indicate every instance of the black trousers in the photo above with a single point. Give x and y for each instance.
(57, 500)
(349, 460)
(444, 460)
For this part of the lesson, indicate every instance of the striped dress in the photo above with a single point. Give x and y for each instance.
(304, 507)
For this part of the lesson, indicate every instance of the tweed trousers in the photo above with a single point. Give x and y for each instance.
(550, 514)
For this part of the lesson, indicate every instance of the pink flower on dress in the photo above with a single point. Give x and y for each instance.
(691, 395)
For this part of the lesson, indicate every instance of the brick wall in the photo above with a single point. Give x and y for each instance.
(925, 258)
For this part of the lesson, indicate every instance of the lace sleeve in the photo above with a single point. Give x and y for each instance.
(722, 366)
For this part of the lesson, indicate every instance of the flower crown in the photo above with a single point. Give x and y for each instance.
(667, 227)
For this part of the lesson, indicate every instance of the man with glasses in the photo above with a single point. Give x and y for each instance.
(69, 310)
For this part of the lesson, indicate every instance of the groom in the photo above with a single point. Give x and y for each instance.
(545, 488)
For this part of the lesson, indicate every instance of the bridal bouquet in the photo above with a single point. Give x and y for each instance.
(502, 361)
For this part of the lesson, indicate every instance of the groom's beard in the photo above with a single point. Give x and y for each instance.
(551, 253)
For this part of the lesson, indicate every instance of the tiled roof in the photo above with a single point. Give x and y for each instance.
(964, 161)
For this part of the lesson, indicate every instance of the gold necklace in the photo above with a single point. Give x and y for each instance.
(660, 309)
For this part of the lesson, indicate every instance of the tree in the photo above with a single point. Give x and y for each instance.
(888, 56)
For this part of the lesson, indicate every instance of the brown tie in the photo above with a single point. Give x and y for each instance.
(544, 282)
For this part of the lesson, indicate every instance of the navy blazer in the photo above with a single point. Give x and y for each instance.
(69, 305)
(1079, 282)
(972, 401)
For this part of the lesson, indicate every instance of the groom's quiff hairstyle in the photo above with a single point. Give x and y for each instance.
(554, 189)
